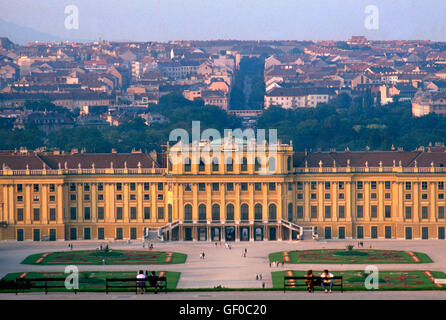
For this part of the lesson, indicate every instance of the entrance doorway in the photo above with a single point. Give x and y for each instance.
(258, 234)
(244, 233)
(230, 233)
(215, 234)
(202, 234)
(272, 233)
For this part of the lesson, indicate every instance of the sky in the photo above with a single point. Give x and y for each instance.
(165, 20)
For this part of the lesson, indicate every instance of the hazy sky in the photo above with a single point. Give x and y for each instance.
(163, 20)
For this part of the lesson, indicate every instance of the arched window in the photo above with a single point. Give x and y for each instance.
(258, 164)
(272, 212)
(201, 166)
(215, 212)
(288, 163)
(272, 164)
(244, 212)
(290, 211)
(202, 212)
(258, 212)
(230, 212)
(186, 164)
(244, 166)
(215, 166)
(187, 212)
(229, 165)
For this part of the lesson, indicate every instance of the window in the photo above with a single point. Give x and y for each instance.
(387, 211)
(388, 232)
(387, 185)
(72, 197)
(36, 198)
(72, 187)
(441, 212)
(19, 214)
(272, 186)
(229, 165)
(441, 196)
(100, 197)
(119, 186)
(313, 185)
(373, 185)
(244, 186)
(146, 213)
(327, 185)
(160, 213)
(359, 185)
(187, 187)
(160, 196)
(341, 233)
(272, 212)
(424, 233)
(341, 212)
(373, 195)
(19, 188)
(327, 196)
(313, 196)
(160, 186)
(359, 196)
(408, 196)
(35, 188)
(187, 166)
(441, 233)
(133, 234)
(327, 232)
(119, 197)
(215, 165)
(215, 212)
(341, 185)
(87, 214)
(424, 212)
(19, 198)
(187, 212)
(300, 185)
(86, 187)
(440, 185)
(119, 235)
(313, 212)
(133, 213)
(215, 187)
(360, 211)
(146, 186)
(360, 232)
(408, 185)
(374, 232)
(230, 187)
(300, 212)
(52, 188)
(100, 186)
(230, 212)
(327, 212)
(133, 197)
(424, 196)
(244, 165)
(73, 213)
(202, 212)
(341, 196)
(201, 165)
(374, 211)
(290, 212)
(100, 213)
(52, 198)
(36, 214)
(101, 234)
(86, 197)
(387, 195)
(290, 186)
(408, 211)
(300, 196)
(257, 186)
(201, 187)
(424, 185)
(119, 213)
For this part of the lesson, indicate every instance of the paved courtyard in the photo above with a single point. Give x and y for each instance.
(229, 268)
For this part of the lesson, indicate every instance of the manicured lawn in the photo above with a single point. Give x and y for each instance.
(342, 256)
(94, 257)
(93, 280)
(388, 280)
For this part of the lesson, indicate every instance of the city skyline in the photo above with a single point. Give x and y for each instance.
(199, 20)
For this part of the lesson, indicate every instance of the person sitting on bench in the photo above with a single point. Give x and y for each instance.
(153, 281)
(141, 282)
(309, 281)
(327, 280)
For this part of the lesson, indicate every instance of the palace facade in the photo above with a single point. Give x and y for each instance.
(223, 195)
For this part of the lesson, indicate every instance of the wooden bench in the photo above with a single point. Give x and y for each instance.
(39, 283)
(291, 282)
(133, 283)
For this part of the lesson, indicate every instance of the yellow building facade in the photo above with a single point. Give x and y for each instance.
(223, 196)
